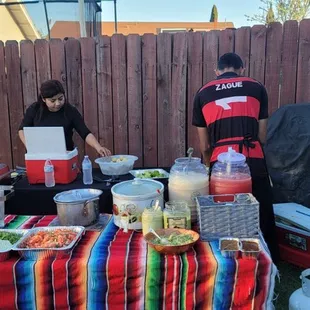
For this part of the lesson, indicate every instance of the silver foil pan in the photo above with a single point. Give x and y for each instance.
(47, 253)
(4, 255)
(246, 253)
(228, 253)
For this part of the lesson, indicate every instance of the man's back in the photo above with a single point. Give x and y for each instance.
(231, 108)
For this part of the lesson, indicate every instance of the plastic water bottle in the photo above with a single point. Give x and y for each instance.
(49, 173)
(87, 171)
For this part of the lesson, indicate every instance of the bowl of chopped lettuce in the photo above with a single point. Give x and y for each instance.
(173, 240)
(8, 238)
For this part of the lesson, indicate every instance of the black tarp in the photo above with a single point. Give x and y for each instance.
(287, 151)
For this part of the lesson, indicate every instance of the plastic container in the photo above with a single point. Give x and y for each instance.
(250, 247)
(87, 171)
(49, 173)
(177, 215)
(187, 180)
(116, 165)
(230, 174)
(151, 218)
(229, 247)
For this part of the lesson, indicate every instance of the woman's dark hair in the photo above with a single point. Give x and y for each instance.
(230, 60)
(49, 89)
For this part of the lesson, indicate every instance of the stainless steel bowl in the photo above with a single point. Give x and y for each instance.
(78, 207)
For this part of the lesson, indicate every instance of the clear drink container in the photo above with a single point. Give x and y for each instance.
(187, 180)
(230, 174)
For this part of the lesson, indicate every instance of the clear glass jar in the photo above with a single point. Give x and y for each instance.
(230, 174)
(177, 215)
(151, 218)
(187, 180)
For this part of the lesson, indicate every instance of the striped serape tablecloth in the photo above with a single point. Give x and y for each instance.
(111, 269)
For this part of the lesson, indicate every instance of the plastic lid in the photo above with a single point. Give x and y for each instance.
(137, 187)
(232, 157)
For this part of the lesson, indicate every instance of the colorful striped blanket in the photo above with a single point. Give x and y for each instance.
(116, 270)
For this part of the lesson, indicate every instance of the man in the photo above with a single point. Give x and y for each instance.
(233, 111)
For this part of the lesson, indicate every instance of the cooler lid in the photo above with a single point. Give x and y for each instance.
(45, 140)
(232, 157)
(293, 214)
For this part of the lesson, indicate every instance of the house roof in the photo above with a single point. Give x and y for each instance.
(23, 20)
(63, 29)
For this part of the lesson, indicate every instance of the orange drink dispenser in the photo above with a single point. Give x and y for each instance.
(230, 174)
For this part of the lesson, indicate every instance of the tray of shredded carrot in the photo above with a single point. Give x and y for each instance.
(48, 242)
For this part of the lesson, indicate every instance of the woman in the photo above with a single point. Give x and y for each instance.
(52, 110)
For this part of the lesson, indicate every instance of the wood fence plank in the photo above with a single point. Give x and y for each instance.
(43, 63)
(303, 74)
(226, 41)
(89, 85)
(289, 62)
(120, 115)
(149, 85)
(15, 99)
(210, 55)
(28, 71)
(58, 61)
(5, 140)
(194, 82)
(273, 64)
(242, 46)
(178, 96)
(104, 88)
(258, 50)
(164, 107)
(74, 84)
(134, 93)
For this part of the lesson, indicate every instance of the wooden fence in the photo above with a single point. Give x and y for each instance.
(136, 93)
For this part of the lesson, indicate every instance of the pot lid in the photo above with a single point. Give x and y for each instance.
(137, 187)
(77, 195)
(231, 157)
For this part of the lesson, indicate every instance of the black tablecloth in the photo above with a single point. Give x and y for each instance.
(38, 199)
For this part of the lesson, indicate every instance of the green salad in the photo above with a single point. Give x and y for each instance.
(10, 236)
(174, 239)
(150, 174)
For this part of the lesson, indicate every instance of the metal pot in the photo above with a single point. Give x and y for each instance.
(78, 207)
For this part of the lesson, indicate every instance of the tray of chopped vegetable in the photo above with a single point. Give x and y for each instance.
(48, 242)
(150, 173)
(173, 240)
(8, 238)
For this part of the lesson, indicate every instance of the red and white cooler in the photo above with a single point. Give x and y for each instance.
(293, 233)
(49, 143)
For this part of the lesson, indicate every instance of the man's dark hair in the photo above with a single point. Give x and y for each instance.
(230, 60)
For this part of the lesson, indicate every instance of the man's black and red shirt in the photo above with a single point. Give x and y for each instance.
(230, 107)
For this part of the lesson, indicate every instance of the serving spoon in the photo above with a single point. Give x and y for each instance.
(162, 240)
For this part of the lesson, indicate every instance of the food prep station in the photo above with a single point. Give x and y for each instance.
(205, 234)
